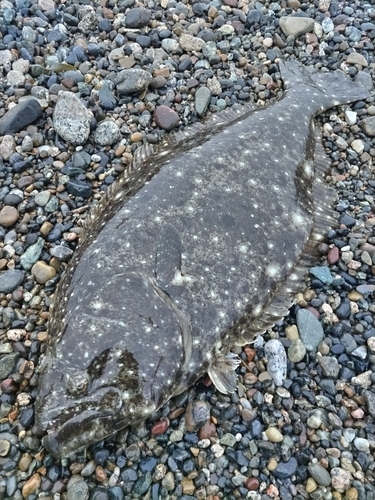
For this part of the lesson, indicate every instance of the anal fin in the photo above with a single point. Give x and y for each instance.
(222, 372)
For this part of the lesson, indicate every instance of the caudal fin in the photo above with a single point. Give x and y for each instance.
(334, 85)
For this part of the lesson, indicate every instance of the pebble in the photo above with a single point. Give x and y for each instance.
(20, 116)
(310, 329)
(42, 272)
(296, 26)
(8, 216)
(277, 361)
(319, 474)
(166, 118)
(71, 119)
(107, 133)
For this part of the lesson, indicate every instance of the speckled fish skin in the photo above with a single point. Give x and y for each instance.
(202, 248)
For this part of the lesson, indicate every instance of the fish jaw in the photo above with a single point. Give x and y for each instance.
(81, 431)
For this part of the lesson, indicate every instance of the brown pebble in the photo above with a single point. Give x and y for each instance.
(207, 430)
(136, 137)
(100, 474)
(165, 72)
(46, 228)
(333, 255)
(311, 38)
(31, 485)
(252, 483)
(176, 413)
(166, 118)
(314, 311)
(42, 272)
(24, 462)
(8, 386)
(159, 427)
(119, 150)
(8, 216)
(25, 181)
(250, 353)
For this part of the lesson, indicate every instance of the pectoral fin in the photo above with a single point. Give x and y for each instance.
(222, 372)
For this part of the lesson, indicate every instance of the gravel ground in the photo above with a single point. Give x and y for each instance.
(149, 69)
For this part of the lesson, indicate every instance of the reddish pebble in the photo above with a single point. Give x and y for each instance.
(358, 413)
(8, 386)
(159, 427)
(250, 353)
(166, 118)
(252, 483)
(208, 430)
(272, 491)
(239, 28)
(314, 311)
(333, 255)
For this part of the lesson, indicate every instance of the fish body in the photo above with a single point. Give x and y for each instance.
(203, 247)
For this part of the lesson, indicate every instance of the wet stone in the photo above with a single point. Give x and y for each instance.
(25, 112)
(286, 469)
(329, 365)
(78, 491)
(10, 280)
(310, 329)
(71, 119)
(79, 188)
(8, 216)
(7, 363)
(319, 474)
(166, 118)
(130, 81)
(322, 273)
(137, 18)
(107, 133)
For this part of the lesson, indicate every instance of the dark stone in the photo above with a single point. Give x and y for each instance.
(147, 464)
(137, 18)
(253, 17)
(10, 280)
(79, 188)
(27, 417)
(19, 117)
(286, 469)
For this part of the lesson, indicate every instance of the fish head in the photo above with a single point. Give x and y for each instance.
(119, 357)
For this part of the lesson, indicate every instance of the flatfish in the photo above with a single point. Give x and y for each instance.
(202, 247)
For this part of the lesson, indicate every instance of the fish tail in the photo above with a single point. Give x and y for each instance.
(335, 87)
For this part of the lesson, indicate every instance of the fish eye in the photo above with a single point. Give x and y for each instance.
(78, 383)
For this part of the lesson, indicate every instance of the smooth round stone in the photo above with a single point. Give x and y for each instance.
(166, 118)
(42, 198)
(362, 444)
(42, 272)
(296, 351)
(10, 280)
(274, 435)
(8, 216)
(319, 474)
(107, 133)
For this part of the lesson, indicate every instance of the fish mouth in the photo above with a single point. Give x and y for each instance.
(82, 430)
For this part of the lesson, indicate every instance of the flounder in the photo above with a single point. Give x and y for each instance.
(202, 247)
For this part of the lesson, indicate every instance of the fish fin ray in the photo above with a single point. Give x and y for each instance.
(324, 220)
(222, 372)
